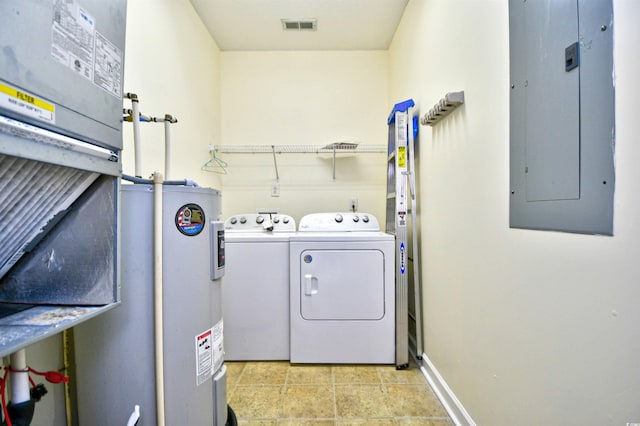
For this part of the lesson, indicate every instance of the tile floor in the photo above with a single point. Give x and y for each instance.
(278, 393)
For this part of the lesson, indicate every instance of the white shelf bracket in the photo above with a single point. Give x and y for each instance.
(275, 162)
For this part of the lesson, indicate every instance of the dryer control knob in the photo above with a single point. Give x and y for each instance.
(285, 220)
(259, 220)
(356, 219)
(243, 220)
(365, 219)
(276, 219)
(338, 218)
(233, 221)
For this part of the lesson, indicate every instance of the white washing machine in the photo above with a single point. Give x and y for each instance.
(342, 290)
(255, 287)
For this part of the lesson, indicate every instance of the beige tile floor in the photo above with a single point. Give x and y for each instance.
(278, 393)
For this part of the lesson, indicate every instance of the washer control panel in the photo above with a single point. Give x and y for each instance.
(260, 222)
(339, 222)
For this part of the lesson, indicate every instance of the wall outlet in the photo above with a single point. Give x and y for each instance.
(275, 189)
(353, 205)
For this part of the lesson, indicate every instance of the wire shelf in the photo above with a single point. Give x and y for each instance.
(333, 148)
(338, 147)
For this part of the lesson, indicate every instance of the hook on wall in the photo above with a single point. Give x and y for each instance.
(443, 108)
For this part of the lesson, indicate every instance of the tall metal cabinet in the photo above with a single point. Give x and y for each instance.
(61, 68)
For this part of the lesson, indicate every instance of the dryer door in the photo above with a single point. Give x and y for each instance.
(342, 285)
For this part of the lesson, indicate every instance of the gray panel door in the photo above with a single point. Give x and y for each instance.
(562, 115)
(551, 101)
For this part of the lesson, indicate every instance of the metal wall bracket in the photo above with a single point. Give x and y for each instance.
(443, 108)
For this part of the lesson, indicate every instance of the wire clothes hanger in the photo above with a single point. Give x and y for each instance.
(215, 164)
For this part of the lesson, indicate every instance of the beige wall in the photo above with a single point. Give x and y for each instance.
(304, 98)
(172, 64)
(526, 327)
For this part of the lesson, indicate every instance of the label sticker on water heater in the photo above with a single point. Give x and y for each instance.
(209, 352)
(218, 345)
(190, 220)
(204, 357)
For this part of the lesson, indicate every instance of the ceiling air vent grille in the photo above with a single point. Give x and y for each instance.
(299, 24)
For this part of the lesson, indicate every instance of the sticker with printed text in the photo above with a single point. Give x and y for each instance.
(26, 103)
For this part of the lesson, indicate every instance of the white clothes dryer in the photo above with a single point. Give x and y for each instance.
(342, 290)
(255, 287)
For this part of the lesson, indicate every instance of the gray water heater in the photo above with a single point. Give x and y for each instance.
(115, 357)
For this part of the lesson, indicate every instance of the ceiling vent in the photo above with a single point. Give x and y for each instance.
(299, 24)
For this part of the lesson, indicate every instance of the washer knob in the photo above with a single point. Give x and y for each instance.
(243, 220)
(356, 219)
(259, 220)
(276, 219)
(285, 220)
(338, 218)
(365, 219)
(233, 221)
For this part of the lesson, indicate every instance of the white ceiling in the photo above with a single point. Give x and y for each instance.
(341, 24)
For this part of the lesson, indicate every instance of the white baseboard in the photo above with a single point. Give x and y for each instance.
(444, 393)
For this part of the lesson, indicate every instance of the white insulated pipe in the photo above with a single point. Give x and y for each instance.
(157, 297)
(168, 121)
(167, 148)
(135, 119)
(19, 376)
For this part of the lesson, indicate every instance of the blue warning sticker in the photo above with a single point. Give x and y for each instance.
(402, 259)
(190, 220)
